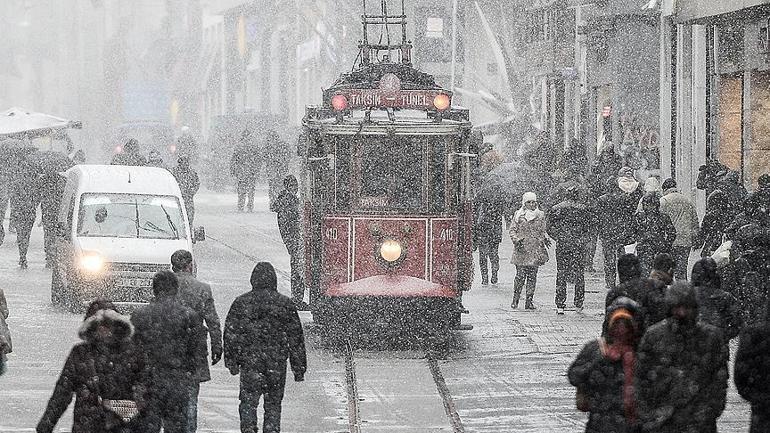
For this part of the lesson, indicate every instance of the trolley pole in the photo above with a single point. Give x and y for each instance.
(454, 45)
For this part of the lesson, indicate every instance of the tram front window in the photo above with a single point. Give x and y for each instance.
(392, 174)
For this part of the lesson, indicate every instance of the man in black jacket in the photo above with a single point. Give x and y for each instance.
(681, 371)
(168, 333)
(752, 372)
(196, 295)
(568, 223)
(289, 224)
(488, 233)
(262, 331)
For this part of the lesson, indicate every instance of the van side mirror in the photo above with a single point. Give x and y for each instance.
(199, 234)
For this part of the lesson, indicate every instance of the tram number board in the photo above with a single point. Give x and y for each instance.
(410, 99)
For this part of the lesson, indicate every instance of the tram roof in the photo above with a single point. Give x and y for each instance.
(407, 122)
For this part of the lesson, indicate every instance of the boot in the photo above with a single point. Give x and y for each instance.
(484, 277)
(516, 296)
(23, 263)
(530, 305)
(493, 280)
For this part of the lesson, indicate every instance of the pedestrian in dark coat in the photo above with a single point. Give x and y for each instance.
(648, 293)
(6, 344)
(751, 272)
(568, 224)
(169, 335)
(616, 213)
(716, 307)
(603, 372)
(488, 233)
(189, 184)
(51, 187)
(106, 365)
(244, 166)
(262, 332)
(130, 155)
(196, 295)
(752, 372)
(530, 243)
(290, 227)
(655, 233)
(715, 222)
(25, 197)
(681, 373)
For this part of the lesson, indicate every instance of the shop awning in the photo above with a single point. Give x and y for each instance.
(20, 123)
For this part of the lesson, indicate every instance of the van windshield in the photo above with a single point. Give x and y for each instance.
(131, 216)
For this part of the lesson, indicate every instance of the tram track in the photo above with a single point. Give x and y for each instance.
(356, 422)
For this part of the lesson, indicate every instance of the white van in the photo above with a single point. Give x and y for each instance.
(118, 226)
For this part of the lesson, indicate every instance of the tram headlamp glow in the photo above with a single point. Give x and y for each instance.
(339, 103)
(441, 102)
(92, 263)
(391, 251)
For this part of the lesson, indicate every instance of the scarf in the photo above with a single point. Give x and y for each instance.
(625, 353)
(628, 184)
(529, 215)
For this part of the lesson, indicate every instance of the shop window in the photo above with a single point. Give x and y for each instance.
(730, 118)
(757, 156)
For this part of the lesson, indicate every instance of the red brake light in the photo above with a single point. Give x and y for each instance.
(339, 102)
(172, 148)
(118, 149)
(441, 102)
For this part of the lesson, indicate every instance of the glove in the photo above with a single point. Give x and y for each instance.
(299, 377)
(216, 355)
(234, 370)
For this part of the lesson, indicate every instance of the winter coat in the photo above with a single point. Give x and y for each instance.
(51, 187)
(287, 208)
(488, 227)
(719, 309)
(751, 273)
(6, 345)
(169, 335)
(196, 295)
(262, 331)
(528, 241)
(129, 158)
(683, 215)
(654, 234)
(715, 222)
(95, 368)
(569, 223)
(189, 183)
(681, 377)
(245, 162)
(617, 211)
(752, 374)
(25, 195)
(600, 380)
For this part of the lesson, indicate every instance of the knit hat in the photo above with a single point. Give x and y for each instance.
(263, 277)
(668, 184)
(528, 196)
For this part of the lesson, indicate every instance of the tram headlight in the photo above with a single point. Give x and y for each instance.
(339, 103)
(441, 102)
(391, 251)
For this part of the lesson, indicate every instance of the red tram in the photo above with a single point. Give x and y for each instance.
(387, 193)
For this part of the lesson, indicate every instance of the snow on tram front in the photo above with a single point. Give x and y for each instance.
(387, 195)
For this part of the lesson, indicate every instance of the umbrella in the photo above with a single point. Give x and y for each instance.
(20, 123)
(49, 162)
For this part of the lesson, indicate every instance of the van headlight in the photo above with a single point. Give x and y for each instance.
(91, 263)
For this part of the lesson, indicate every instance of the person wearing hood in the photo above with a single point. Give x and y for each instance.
(169, 335)
(130, 155)
(262, 332)
(683, 214)
(654, 232)
(568, 224)
(681, 372)
(530, 243)
(715, 306)
(752, 371)
(616, 210)
(105, 367)
(603, 372)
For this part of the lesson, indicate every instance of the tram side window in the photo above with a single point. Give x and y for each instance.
(342, 187)
(391, 174)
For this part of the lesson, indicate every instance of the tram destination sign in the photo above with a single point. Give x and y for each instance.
(379, 98)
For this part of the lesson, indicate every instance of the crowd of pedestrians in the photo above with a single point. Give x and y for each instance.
(143, 373)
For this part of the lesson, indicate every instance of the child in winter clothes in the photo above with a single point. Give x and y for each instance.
(527, 232)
